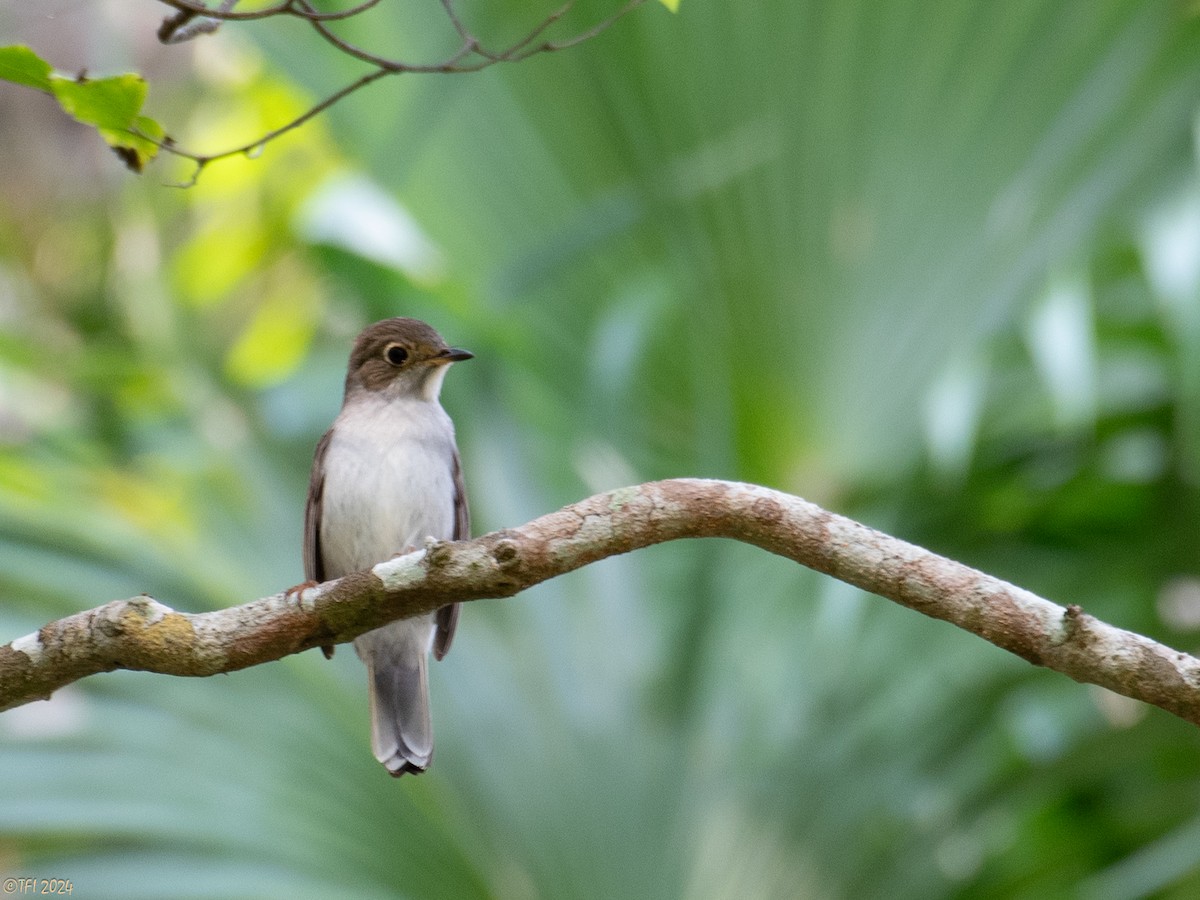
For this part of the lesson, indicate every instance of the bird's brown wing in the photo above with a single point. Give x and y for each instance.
(314, 566)
(447, 616)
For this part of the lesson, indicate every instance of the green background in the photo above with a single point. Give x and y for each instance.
(934, 265)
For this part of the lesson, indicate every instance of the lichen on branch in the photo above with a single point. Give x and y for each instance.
(146, 635)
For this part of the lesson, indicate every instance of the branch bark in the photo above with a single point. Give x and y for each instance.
(145, 635)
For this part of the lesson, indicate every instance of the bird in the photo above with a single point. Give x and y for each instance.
(387, 476)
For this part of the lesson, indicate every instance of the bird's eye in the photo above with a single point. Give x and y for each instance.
(395, 354)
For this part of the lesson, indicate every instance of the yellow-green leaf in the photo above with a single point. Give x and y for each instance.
(135, 147)
(21, 65)
(111, 103)
(672, 5)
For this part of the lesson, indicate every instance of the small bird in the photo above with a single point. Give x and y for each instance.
(386, 476)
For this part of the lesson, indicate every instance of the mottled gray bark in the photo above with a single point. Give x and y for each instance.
(143, 634)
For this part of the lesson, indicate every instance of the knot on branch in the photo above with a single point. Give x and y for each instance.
(1074, 625)
(506, 553)
(145, 630)
(438, 554)
(130, 616)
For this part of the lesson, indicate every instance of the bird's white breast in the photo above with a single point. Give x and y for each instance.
(389, 481)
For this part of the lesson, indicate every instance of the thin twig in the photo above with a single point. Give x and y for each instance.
(457, 22)
(540, 29)
(470, 56)
(202, 160)
(598, 28)
(287, 8)
(393, 66)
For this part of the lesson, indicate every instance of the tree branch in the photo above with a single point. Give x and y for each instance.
(143, 634)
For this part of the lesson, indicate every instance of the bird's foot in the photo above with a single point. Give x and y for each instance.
(302, 586)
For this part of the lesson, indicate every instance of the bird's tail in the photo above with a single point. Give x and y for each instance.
(396, 658)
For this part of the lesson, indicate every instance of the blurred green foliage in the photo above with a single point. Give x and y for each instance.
(934, 264)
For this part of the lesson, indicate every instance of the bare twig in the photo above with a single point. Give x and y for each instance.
(452, 14)
(470, 56)
(586, 35)
(541, 27)
(143, 634)
(186, 25)
(287, 8)
(203, 159)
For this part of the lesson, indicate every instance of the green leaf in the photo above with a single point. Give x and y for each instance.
(137, 147)
(107, 103)
(672, 5)
(113, 106)
(21, 65)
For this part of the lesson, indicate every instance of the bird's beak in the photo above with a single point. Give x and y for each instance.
(452, 354)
